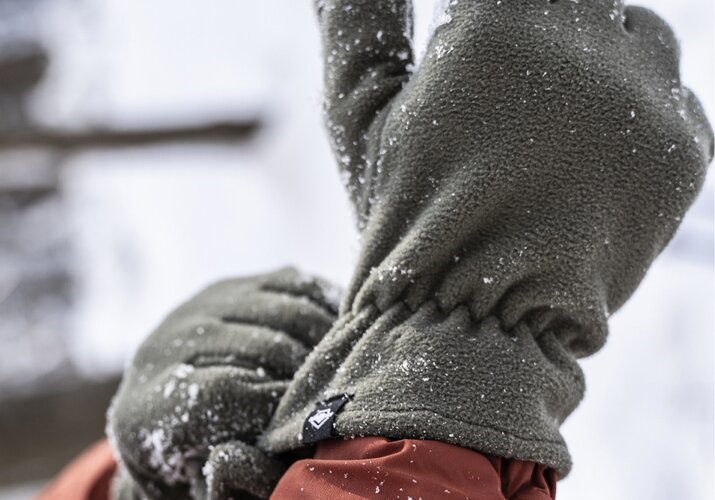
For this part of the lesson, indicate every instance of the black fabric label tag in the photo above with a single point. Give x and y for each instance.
(319, 424)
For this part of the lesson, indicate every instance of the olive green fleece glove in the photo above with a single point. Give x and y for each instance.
(544, 149)
(205, 383)
(511, 193)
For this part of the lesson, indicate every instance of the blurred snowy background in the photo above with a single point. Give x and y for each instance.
(97, 244)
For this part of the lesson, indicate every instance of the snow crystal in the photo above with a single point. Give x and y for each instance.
(183, 370)
(168, 465)
(169, 388)
(193, 392)
(405, 366)
(208, 471)
(154, 442)
(441, 50)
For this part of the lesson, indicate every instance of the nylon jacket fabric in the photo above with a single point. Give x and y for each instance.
(87, 477)
(357, 468)
(511, 193)
(376, 467)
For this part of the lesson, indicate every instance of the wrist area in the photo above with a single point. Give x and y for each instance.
(426, 374)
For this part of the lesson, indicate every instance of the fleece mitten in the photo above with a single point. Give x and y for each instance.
(205, 383)
(511, 193)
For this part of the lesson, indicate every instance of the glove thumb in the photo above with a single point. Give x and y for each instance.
(238, 471)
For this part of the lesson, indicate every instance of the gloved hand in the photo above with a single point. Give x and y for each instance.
(511, 192)
(205, 383)
(543, 149)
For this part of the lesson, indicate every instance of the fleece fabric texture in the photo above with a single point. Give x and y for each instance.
(205, 383)
(511, 193)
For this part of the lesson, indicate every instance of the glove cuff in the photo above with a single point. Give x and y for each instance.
(433, 375)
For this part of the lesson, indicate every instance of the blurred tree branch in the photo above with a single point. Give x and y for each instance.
(224, 132)
(42, 431)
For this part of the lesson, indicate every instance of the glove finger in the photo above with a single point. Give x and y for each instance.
(205, 340)
(158, 427)
(702, 130)
(208, 405)
(299, 316)
(545, 12)
(236, 468)
(368, 55)
(134, 482)
(656, 41)
(243, 345)
(605, 13)
(124, 487)
(287, 280)
(292, 282)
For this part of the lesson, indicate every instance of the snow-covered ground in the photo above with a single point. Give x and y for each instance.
(155, 224)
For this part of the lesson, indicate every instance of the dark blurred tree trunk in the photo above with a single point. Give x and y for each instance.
(48, 412)
(35, 281)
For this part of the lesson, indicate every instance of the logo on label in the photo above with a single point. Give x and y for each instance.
(320, 417)
(319, 423)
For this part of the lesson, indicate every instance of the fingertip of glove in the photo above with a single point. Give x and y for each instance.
(237, 466)
(703, 128)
